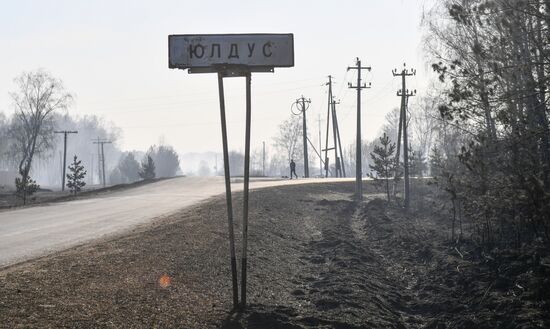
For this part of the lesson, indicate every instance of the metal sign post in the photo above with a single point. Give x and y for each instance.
(245, 193)
(228, 193)
(233, 55)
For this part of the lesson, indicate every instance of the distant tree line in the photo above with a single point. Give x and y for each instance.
(30, 148)
(158, 161)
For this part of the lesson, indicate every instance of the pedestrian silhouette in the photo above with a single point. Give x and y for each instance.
(293, 168)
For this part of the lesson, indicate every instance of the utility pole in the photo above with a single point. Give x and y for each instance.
(65, 133)
(320, 147)
(263, 160)
(338, 153)
(98, 162)
(404, 94)
(100, 142)
(335, 136)
(61, 164)
(92, 172)
(302, 108)
(331, 112)
(358, 161)
(327, 163)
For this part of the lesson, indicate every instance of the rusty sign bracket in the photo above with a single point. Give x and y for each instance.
(230, 71)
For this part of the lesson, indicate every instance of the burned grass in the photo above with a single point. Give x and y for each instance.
(317, 260)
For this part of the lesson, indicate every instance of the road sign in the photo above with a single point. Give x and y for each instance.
(232, 55)
(208, 52)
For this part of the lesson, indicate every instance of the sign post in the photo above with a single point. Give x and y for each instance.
(233, 55)
(228, 193)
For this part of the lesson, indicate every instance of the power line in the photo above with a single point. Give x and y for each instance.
(179, 105)
(178, 94)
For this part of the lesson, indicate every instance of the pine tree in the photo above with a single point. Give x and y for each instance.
(75, 177)
(147, 169)
(25, 188)
(384, 165)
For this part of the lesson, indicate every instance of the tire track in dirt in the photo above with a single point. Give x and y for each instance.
(351, 281)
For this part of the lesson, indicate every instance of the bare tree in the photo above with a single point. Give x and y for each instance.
(39, 95)
(424, 122)
(3, 141)
(289, 135)
(391, 125)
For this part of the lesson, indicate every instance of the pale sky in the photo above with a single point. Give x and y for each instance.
(113, 55)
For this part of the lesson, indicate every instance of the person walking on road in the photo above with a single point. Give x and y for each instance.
(293, 168)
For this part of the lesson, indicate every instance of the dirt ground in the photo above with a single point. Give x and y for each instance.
(316, 260)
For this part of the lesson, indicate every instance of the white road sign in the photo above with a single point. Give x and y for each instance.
(210, 51)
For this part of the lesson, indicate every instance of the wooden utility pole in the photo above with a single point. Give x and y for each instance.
(302, 104)
(338, 155)
(331, 113)
(339, 159)
(358, 161)
(263, 160)
(100, 142)
(92, 171)
(98, 161)
(320, 147)
(65, 133)
(335, 138)
(327, 162)
(404, 94)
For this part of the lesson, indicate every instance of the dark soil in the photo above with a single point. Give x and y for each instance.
(316, 260)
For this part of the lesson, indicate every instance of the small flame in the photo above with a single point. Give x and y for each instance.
(165, 281)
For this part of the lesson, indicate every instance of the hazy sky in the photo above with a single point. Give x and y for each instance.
(113, 56)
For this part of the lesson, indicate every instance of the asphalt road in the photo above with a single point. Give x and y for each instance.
(36, 231)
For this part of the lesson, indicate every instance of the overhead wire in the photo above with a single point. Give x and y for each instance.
(178, 105)
(178, 93)
(194, 124)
